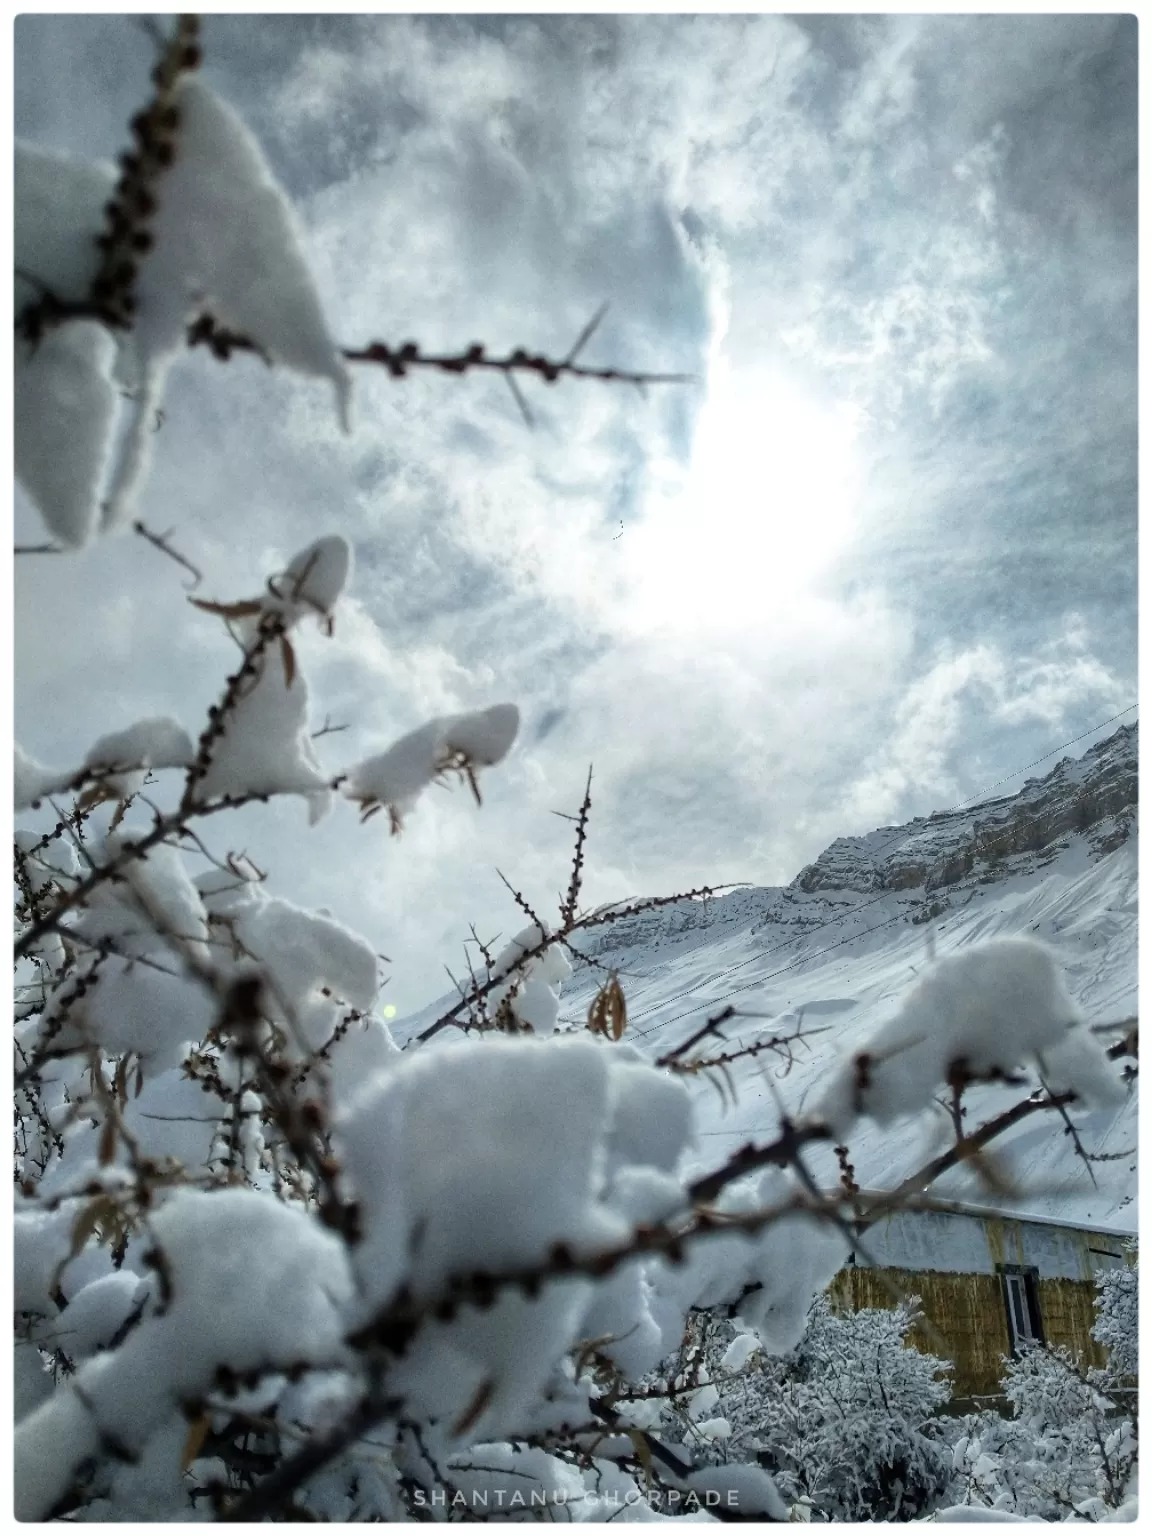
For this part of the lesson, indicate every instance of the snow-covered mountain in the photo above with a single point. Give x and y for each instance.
(831, 953)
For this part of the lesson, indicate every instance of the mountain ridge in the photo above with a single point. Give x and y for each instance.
(826, 958)
(1094, 796)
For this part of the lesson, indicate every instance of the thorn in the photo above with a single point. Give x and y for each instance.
(518, 396)
(585, 335)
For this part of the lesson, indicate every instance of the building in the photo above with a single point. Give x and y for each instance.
(988, 1284)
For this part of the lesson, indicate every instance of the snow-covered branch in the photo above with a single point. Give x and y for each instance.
(270, 1264)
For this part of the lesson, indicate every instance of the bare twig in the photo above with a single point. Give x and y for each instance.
(518, 395)
(979, 1138)
(205, 331)
(160, 541)
(327, 729)
(592, 920)
(1070, 1129)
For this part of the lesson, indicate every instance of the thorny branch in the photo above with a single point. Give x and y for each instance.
(592, 920)
(205, 331)
(160, 541)
(568, 906)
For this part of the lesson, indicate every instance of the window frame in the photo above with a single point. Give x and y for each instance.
(1019, 1290)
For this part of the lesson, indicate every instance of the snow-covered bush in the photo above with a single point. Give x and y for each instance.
(849, 1420)
(268, 1263)
(1067, 1449)
(1117, 1325)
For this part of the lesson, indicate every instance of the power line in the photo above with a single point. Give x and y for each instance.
(1091, 731)
(898, 840)
(800, 959)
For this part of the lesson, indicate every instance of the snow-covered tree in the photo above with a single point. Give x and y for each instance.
(268, 1263)
(1117, 1325)
(850, 1419)
(847, 1420)
(1070, 1447)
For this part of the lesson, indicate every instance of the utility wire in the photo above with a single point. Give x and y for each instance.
(898, 840)
(800, 959)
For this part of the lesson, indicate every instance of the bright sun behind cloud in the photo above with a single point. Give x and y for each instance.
(769, 499)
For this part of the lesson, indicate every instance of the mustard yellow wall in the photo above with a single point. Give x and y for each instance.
(964, 1318)
(1068, 1311)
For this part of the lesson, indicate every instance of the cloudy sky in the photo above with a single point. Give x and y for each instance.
(881, 553)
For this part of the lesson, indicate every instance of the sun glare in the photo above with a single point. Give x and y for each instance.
(768, 501)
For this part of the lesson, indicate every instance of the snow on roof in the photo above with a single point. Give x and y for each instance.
(1008, 1213)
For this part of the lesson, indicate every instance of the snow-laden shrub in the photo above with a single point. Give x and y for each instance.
(850, 1420)
(1117, 1325)
(847, 1421)
(266, 1262)
(1068, 1448)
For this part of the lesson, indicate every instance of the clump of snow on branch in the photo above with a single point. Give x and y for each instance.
(253, 1285)
(531, 992)
(526, 1163)
(65, 401)
(160, 742)
(150, 927)
(59, 204)
(31, 781)
(770, 1278)
(263, 742)
(265, 745)
(121, 761)
(982, 1014)
(314, 969)
(461, 744)
(224, 239)
(65, 406)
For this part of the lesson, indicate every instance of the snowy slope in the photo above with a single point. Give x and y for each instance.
(831, 953)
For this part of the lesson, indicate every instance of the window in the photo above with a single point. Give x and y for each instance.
(1022, 1303)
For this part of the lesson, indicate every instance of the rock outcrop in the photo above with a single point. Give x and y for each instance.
(1093, 797)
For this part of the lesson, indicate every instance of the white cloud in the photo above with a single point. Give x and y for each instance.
(966, 692)
(771, 609)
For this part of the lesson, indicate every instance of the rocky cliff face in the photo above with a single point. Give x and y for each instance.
(1093, 797)
(1090, 800)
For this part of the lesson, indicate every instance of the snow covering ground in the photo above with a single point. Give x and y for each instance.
(834, 963)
